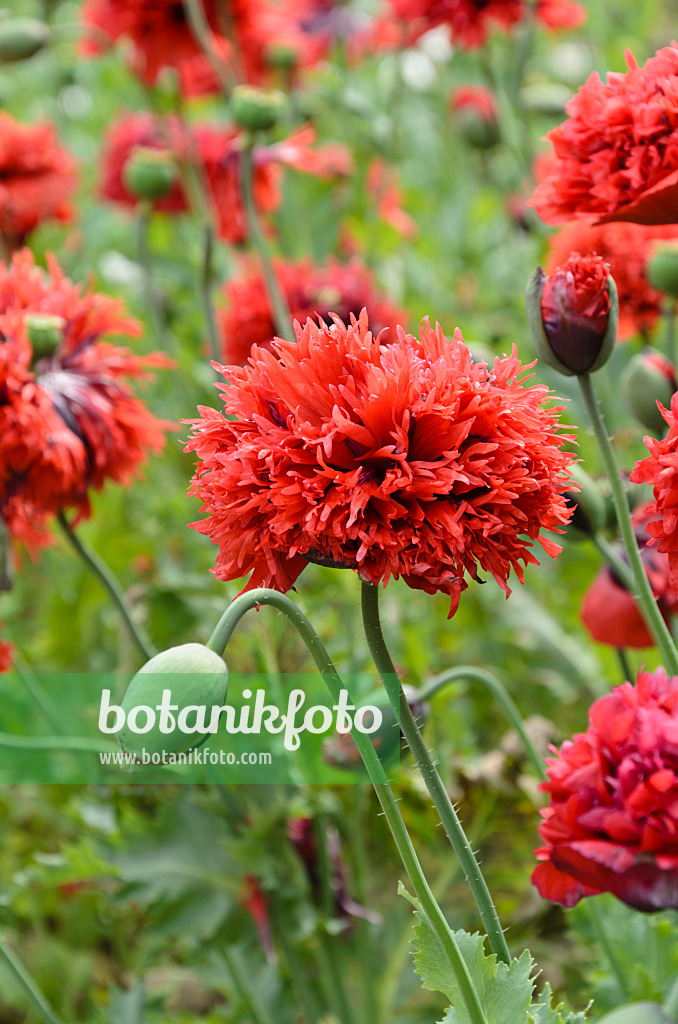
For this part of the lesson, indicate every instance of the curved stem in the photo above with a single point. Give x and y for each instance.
(642, 590)
(498, 690)
(276, 298)
(98, 568)
(375, 770)
(28, 984)
(430, 775)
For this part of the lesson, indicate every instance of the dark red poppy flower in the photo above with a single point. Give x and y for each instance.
(574, 310)
(161, 37)
(616, 157)
(6, 656)
(68, 418)
(612, 822)
(610, 612)
(218, 150)
(625, 248)
(253, 899)
(402, 459)
(310, 292)
(471, 21)
(660, 469)
(37, 179)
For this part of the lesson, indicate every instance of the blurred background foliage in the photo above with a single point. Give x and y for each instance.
(129, 903)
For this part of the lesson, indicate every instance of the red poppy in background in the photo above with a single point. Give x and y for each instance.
(162, 37)
(37, 179)
(612, 822)
(310, 292)
(124, 135)
(384, 190)
(403, 459)
(6, 656)
(610, 612)
(68, 419)
(626, 249)
(660, 469)
(477, 98)
(616, 157)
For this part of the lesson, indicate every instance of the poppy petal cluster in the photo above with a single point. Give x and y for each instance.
(37, 179)
(310, 291)
(660, 470)
(626, 249)
(68, 418)
(612, 821)
(616, 157)
(610, 612)
(403, 459)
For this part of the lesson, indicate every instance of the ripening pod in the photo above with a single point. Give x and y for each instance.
(573, 314)
(256, 110)
(149, 173)
(21, 38)
(590, 513)
(649, 378)
(45, 333)
(168, 704)
(662, 268)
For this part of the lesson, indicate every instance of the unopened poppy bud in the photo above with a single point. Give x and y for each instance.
(149, 173)
(21, 38)
(662, 269)
(256, 110)
(476, 115)
(282, 57)
(590, 512)
(168, 705)
(573, 314)
(45, 333)
(649, 378)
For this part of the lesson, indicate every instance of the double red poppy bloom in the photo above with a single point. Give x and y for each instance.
(617, 154)
(68, 419)
(660, 469)
(37, 179)
(612, 822)
(406, 459)
(310, 292)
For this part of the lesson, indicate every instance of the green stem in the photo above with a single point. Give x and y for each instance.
(206, 283)
(28, 984)
(337, 995)
(302, 990)
(430, 775)
(670, 315)
(624, 664)
(615, 561)
(499, 691)
(642, 590)
(604, 942)
(375, 771)
(204, 38)
(100, 570)
(154, 299)
(276, 297)
(670, 1007)
(242, 986)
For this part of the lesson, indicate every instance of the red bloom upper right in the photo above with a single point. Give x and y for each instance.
(617, 154)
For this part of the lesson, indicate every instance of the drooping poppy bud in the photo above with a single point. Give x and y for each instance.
(21, 38)
(649, 378)
(573, 314)
(149, 173)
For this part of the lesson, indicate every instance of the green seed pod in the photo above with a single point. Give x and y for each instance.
(647, 379)
(281, 57)
(45, 333)
(21, 38)
(590, 514)
(256, 110)
(149, 173)
(662, 269)
(168, 704)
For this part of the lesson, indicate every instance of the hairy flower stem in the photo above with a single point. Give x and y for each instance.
(281, 313)
(499, 691)
(28, 984)
(642, 591)
(430, 774)
(100, 570)
(375, 771)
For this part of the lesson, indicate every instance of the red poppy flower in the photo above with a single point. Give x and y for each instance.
(37, 179)
(310, 292)
(254, 901)
(612, 822)
(218, 149)
(404, 459)
(383, 189)
(626, 249)
(6, 657)
(162, 37)
(617, 154)
(610, 612)
(470, 21)
(68, 419)
(660, 469)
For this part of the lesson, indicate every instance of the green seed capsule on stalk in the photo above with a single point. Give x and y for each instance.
(647, 379)
(21, 38)
(256, 110)
(45, 333)
(149, 173)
